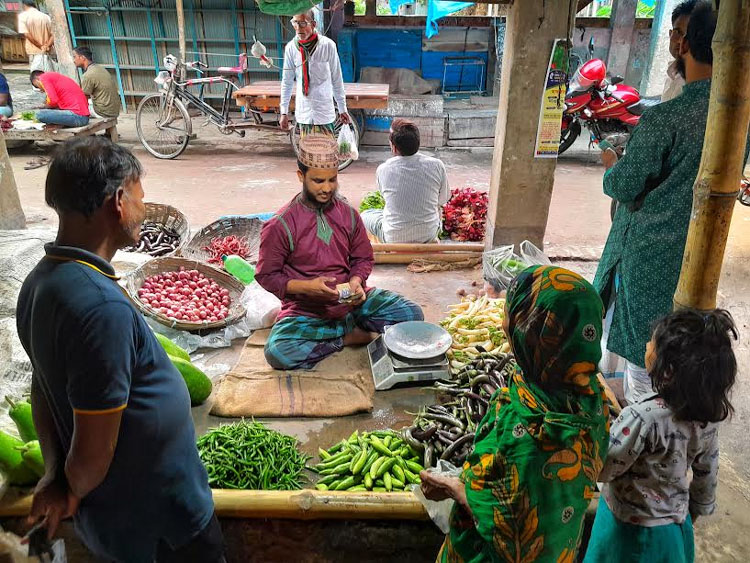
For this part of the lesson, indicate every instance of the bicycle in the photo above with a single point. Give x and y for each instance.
(163, 122)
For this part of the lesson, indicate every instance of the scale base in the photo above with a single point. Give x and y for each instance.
(389, 371)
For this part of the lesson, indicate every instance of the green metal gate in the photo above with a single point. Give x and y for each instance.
(132, 37)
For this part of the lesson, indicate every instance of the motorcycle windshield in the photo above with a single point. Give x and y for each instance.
(578, 84)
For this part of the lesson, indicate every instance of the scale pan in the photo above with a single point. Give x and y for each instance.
(417, 340)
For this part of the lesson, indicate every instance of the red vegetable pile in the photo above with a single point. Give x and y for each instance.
(465, 214)
(186, 295)
(220, 246)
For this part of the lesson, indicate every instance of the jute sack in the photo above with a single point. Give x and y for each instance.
(338, 386)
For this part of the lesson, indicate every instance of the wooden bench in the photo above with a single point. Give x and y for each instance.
(58, 133)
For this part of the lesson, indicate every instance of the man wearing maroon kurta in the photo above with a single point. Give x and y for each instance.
(312, 244)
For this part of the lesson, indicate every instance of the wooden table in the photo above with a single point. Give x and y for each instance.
(57, 133)
(266, 96)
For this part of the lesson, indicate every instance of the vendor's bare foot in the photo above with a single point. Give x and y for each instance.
(359, 337)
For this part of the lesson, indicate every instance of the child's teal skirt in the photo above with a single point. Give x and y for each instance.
(613, 541)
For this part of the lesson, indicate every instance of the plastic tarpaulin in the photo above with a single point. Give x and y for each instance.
(285, 7)
(437, 9)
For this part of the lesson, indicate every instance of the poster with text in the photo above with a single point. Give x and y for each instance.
(553, 102)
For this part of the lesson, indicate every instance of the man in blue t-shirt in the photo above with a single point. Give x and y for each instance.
(6, 101)
(112, 413)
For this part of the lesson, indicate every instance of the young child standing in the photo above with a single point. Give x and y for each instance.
(649, 503)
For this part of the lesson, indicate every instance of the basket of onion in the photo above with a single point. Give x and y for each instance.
(185, 294)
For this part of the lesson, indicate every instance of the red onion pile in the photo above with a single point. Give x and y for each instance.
(186, 295)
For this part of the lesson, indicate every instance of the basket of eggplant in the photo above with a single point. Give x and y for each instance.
(164, 231)
(446, 430)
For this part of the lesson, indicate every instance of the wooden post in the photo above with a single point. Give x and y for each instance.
(181, 29)
(63, 43)
(11, 214)
(715, 192)
(371, 8)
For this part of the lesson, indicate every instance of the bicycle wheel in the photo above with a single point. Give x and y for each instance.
(295, 134)
(163, 128)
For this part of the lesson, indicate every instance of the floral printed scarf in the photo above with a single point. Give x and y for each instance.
(539, 449)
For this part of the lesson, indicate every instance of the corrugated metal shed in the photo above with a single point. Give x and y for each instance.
(132, 37)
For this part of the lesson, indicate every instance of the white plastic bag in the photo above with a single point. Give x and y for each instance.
(502, 264)
(262, 307)
(532, 256)
(347, 143)
(439, 510)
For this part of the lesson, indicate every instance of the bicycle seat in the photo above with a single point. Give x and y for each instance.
(239, 69)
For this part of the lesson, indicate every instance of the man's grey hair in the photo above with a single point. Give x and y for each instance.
(309, 14)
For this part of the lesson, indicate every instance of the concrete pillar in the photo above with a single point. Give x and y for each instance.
(659, 57)
(11, 214)
(521, 185)
(622, 23)
(63, 44)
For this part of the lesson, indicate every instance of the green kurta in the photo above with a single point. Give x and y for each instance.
(653, 183)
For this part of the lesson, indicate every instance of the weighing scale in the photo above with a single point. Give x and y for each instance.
(419, 355)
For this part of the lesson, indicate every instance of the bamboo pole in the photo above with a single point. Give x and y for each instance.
(720, 172)
(427, 247)
(306, 504)
(409, 257)
(181, 30)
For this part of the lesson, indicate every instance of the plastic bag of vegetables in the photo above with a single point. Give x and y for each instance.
(348, 143)
(502, 264)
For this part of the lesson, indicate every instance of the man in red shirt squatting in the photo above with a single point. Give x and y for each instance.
(312, 244)
(66, 103)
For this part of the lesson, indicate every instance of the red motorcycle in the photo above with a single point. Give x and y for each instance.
(608, 108)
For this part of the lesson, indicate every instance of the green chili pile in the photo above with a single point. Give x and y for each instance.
(248, 455)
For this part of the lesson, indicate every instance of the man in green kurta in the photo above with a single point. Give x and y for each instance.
(653, 185)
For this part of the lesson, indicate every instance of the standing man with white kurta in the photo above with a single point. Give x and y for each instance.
(313, 61)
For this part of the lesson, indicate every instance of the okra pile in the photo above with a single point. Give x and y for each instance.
(248, 455)
(372, 461)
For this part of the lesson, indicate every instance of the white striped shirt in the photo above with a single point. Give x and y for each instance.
(414, 188)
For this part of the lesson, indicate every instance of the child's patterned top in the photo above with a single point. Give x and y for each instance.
(646, 471)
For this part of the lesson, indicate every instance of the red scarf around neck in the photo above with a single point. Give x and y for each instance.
(306, 49)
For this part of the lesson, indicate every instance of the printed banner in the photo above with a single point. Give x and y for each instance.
(553, 102)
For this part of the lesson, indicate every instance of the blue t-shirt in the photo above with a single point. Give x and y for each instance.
(5, 89)
(93, 352)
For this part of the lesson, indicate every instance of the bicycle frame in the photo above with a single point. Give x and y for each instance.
(175, 88)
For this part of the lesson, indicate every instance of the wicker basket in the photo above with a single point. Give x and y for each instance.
(170, 218)
(242, 227)
(319, 151)
(134, 281)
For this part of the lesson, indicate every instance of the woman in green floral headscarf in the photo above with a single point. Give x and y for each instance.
(524, 490)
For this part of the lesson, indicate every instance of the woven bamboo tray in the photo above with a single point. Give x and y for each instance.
(165, 264)
(171, 218)
(237, 226)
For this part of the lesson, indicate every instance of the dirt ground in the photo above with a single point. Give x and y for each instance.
(227, 175)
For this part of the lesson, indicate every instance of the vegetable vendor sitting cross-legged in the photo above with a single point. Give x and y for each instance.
(311, 245)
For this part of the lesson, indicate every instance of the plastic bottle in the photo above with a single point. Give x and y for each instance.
(239, 268)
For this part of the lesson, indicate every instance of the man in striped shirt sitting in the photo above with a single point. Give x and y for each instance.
(414, 186)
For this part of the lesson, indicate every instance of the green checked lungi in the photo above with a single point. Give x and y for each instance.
(302, 342)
